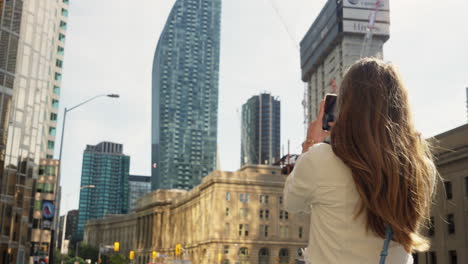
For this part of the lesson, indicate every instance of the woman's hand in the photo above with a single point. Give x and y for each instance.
(315, 132)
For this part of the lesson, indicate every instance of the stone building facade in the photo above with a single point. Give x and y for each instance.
(236, 214)
(449, 214)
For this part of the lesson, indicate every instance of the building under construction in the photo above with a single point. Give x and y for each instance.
(343, 32)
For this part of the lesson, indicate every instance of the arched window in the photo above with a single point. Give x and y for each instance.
(284, 256)
(263, 256)
(244, 255)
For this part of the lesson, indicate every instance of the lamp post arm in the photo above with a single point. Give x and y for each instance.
(82, 103)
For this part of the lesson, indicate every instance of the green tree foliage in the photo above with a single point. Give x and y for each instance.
(86, 251)
(74, 260)
(117, 259)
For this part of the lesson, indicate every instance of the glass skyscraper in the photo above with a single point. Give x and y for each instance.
(185, 95)
(138, 186)
(104, 182)
(260, 131)
(32, 45)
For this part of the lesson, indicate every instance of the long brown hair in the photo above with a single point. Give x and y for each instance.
(391, 164)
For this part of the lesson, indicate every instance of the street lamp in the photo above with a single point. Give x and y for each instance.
(57, 198)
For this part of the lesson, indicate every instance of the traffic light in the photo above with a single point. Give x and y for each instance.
(116, 246)
(131, 255)
(178, 249)
(154, 254)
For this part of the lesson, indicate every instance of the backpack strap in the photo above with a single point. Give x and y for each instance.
(388, 238)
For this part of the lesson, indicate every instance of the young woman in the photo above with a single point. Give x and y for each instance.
(375, 172)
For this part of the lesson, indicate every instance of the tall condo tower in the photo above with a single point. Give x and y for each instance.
(105, 169)
(185, 95)
(32, 46)
(260, 132)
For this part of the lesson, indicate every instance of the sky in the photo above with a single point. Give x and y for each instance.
(110, 48)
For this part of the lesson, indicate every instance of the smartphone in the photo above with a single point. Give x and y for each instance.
(329, 111)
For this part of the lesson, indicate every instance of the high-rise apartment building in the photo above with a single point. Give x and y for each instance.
(260, 130)
(105, 169)
(138, 186)
(32, 39)
(335, 41)
(185, 95)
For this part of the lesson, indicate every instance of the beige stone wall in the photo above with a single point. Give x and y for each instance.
(197, 219)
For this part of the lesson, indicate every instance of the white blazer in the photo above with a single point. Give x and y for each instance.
(322, 185)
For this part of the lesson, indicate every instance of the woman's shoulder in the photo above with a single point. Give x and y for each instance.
(323, 160)
(319, 151)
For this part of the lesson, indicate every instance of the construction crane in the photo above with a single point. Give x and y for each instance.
(366, 44)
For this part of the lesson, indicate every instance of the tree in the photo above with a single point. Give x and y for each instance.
(118, 259)
(74, 260)
(88, 252)
(57, 256)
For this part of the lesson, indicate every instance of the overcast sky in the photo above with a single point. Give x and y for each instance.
(110, 47)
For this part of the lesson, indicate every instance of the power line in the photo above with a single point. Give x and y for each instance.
(283, 22)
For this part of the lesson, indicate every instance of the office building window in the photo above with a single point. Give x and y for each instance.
(226, 249)
(432, 257)
(64, 12)
(261, 214)
(226, 229)
(281, 200)
(466, 185)
(60, 50)
(55, 103)
(284, 231)
(431, 230)
(227, 211)
(53, 117)
(283, 215)
(241, 229)
(451, 223)
(63, 25)
(300, 232)
(52, 131)
(453, 256)
(61, 37)
(267, 214)
(244, 212)
(59, 63)
(263, 199)
(263, 230)
(58, 76)
(56, 90)
(244, 197)
(246, 228)
(228, 196)
(50, 144)
(448, 189)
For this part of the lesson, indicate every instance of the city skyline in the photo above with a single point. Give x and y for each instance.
(132, 31)
(184, 111)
